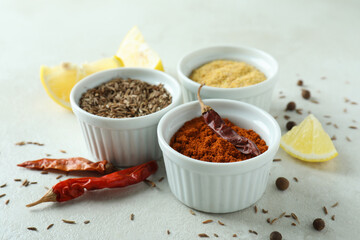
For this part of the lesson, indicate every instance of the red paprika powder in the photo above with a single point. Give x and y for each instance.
(197, 140)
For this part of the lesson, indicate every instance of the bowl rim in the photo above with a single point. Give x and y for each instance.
(194, 84)
(190, 160)
(75, 106)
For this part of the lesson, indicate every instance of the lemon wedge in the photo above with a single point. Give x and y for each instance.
(135, 52)
(59, 80)
(309, 142)
(102, 64)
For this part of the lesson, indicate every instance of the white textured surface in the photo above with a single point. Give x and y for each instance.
(310, 39)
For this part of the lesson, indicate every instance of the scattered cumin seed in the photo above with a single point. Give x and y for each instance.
(234, 235)
(3, 195)
(335, 204)
(50, 226)
(295, 179)
(33, 183)
(272, 221)
(353, 127)
(346, 100)
(336, 126)
(255, 209)
(286, 117)
(348, 139)
(268, 220)
(207, 221)
(325, 210)
(168, 232)
(160, 180)
(253, 232)
(345, 110)
(32, 228)
(17, 180)
(44, 172)
(287, 216)
(293, 224)
(60, 176)
(277, 160)
(7, 202)
(150, 183)
(327, 116)
(86, 222)
(192, 212)
(221, 223)
(68, 221)
(25, 183)
(283, 214)
(132, 216)
(333, 217)
(314, 101)
(2, 186)
(216, 235)
(265, 211)
(63, 151)
(333, 138)
(20, 143)
(354, 103)
(298, 111)
(328, 123)
(282, 97)
(203, 235)
(295, 217)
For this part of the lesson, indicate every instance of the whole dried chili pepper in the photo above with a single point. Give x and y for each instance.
(217, 124)
(75, 187)
(69, 164)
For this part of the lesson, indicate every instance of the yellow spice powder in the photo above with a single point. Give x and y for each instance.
(227, 74)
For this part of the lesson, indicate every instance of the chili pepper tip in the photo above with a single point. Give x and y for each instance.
(50, 196)
(204, 108)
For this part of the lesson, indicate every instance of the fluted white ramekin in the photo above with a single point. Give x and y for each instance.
(126, 141)
(258, 94)
(219, 187)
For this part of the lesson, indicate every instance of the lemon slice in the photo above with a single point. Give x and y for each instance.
(309, 142)
(102, 64)
(59, 80)
(135, 52)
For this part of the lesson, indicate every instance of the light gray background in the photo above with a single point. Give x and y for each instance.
(310, 39)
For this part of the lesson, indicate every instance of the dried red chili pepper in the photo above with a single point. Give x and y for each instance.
(69, 164)
(217, 124)
(75, 187)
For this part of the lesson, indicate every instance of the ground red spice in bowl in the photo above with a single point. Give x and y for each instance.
(197, 140)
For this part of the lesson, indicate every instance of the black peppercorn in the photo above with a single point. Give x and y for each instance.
(319, 224)
(305, 94)
(290, 106)
(300, 83)
(282, 183)
(275, 235)
(290, 125)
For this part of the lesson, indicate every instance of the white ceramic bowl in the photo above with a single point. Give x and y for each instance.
(126, 141)
(258, 94)
(219, 187)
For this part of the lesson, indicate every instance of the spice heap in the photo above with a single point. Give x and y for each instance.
(227, 74)
(125, 98)
(196, 140)
(210, 138)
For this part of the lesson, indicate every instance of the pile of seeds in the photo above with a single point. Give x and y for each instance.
(125, 98)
